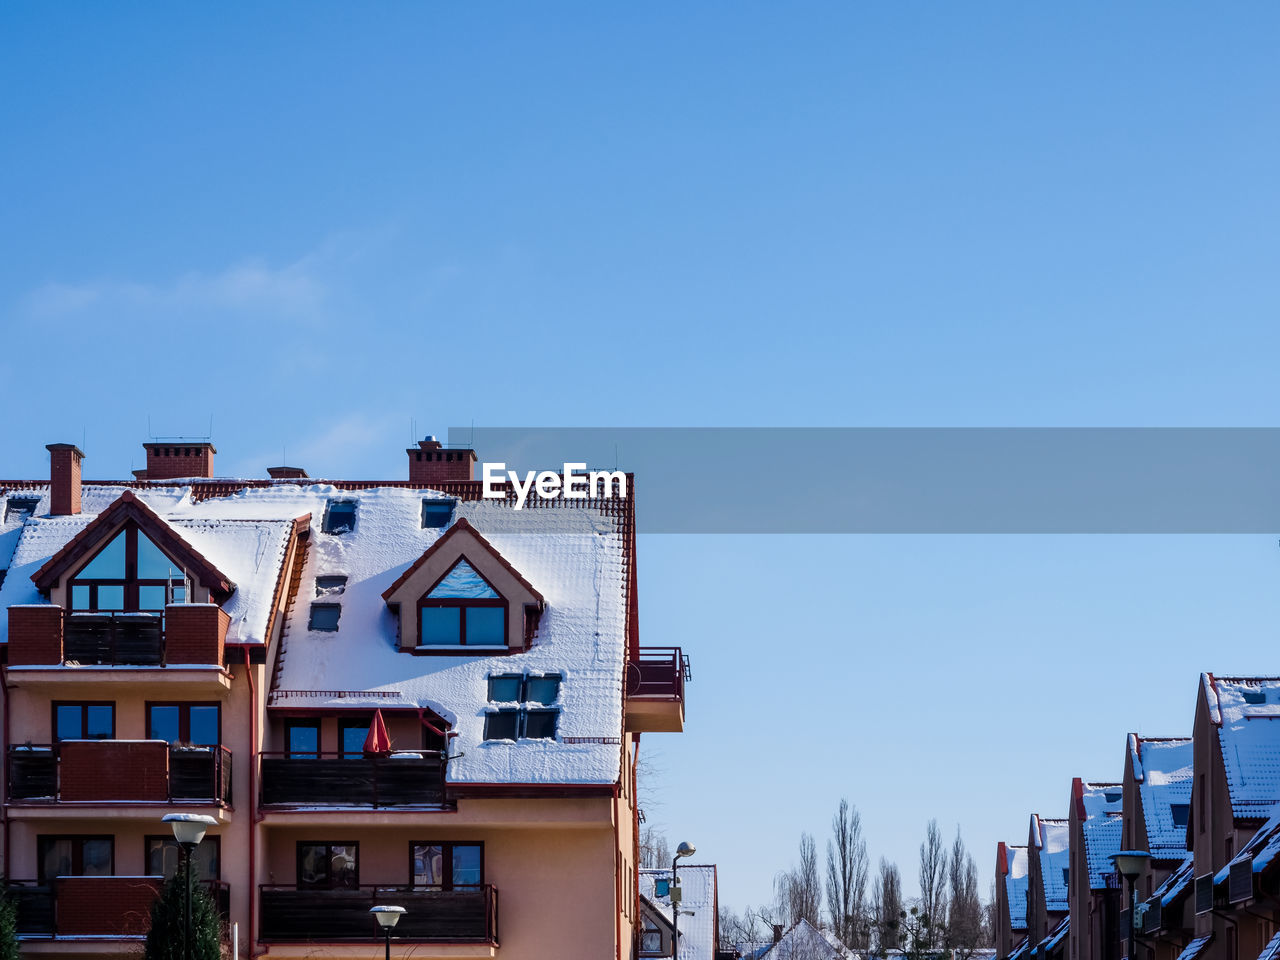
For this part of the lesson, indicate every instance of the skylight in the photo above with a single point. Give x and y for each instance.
(19, 508)
(437, 513)
(324, 616)
(339, 517)
(330, 586)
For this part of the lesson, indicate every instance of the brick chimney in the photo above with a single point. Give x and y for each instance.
(167, 460)
(430, 463)
(287, 473)
(64, 478)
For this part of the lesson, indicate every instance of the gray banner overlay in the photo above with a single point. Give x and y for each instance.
(919, 480)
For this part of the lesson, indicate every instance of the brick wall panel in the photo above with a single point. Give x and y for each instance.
(114, 770)
(105, 906)
(35, 635)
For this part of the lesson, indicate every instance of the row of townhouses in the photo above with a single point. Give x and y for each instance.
(1174, 861)
(380, 692)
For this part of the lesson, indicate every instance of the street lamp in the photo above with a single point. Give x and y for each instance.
(388, 917)
(685, 849)
(1131, 863)
(188, 830)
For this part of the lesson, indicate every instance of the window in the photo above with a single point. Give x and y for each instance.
(330, 586)
(1066, 876)
(196, 724)
(651, 940)
(75, 857)
(328, 866)
(1181, 813)
(19, 508)
(131, 574)
(84, 721)
(1112, 796)
(437, 513)
(339, 517)
(447, 865)
(525, 722)
(462, 609)
(324, 616)
(164, 856)
(302, 739)
(351, 737)
(1255, 696)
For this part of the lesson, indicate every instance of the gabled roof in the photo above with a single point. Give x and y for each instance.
(1052, 839)
(459, 526)
(1097, 806)
(804, 941)
(1014, 870)
(1262, 848)
(1246, 712)
(699, 926)
(1163, 769)
(104, 525)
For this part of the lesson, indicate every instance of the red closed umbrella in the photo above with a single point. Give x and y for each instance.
(378, 740)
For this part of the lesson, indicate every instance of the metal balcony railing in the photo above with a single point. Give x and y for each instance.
(433, 914)
(35, 773)
(135, 639)
(405, 778)
(658, 672)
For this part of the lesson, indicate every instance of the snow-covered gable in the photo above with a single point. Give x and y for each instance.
(1163, 769)
(698, 907)
(1247, 714)
(1015, 886)
(1053, 840)
(1101, 828)
(804, 941)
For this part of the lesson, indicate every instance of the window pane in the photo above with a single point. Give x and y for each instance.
(151, 598)
(313, 865)
(541, 724)
(55, 858)
(97, 858)
(543, 689)
(440, 626)
(163, 723)
(436, 513)
(207, 859)
(340, 516)
(108, 564)
(153, 564)
(110, 596)
(80, 596)
(501, 725)
(505, 689)
(204, 726)
(98, 721)
(68, 720)
(463, 582)
(324, 616)
(485, 626)
(342, 866)
(466, 864)
(353, 740)
(428, 863)
(303, 741)
(163, 857)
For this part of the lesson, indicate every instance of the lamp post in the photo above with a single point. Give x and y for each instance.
(188, 831)
(1130, 863)
(685, 849)
(388, 917)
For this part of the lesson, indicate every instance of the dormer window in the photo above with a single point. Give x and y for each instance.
(19, 508)
(462, 609)
(1255, 697)
(339, 517)
(1181, 812)
(437, 513)
(528, 721)
(130, 574)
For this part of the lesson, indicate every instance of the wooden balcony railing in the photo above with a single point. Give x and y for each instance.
(135, 639)
(402, 779)
(114, 770)
(659, 672)
(93, 907)
(462, 914)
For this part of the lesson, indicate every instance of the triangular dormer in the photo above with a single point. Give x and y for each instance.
(129, 559)
(462, 597)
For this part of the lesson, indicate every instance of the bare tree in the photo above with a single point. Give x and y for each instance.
(886, 907)
(655, 851)
(847, 866)
(965, 920)
(800, 888)
(933, 876)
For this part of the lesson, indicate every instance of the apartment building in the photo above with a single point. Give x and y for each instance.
(382, 692)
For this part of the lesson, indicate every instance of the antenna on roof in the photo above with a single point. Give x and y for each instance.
(150, 435)
(473, 433)
(210, 426)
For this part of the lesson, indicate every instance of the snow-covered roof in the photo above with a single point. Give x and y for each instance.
(804, 941)
(1015, 886)
(1020, 950)
(576, 557)
(1262, 847)
(698, 906)
(1050, 943)
(1163, 769)
(1272, 950)
(1052, 841)
(1247, 714)
(1177, 884)
(1195, 947)
(1101, 827)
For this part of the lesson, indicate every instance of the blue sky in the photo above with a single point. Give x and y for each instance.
(321, 223)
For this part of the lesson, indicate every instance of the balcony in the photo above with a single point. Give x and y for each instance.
(186, 634)
(655, 690)
(92, 907)
(142, 771)
(432, 915)
(402, 779)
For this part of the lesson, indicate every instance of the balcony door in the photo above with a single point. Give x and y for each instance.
(188, 724)
(75, 856)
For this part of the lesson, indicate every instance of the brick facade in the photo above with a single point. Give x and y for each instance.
(195, 633)
(105, 906)
(430, 463)
(165, 461)
(136, 770)
(35, 635)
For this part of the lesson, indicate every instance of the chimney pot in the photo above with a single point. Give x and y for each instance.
(64, 478)
(166, 461)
